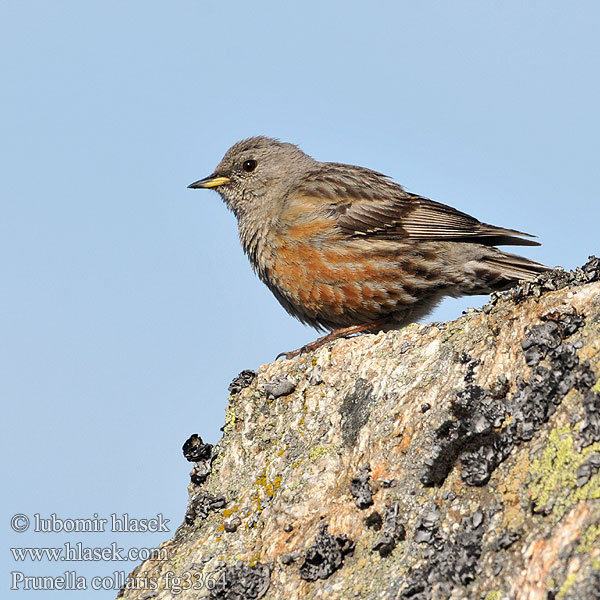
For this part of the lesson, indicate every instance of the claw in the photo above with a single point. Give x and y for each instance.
(336, 334)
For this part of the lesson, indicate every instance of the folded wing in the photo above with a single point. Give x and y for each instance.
(367, 203)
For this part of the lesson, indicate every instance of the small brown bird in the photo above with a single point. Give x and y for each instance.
(345, 248)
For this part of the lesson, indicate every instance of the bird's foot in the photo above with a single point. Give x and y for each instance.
(336, 334)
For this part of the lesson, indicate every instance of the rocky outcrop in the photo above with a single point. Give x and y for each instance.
(447, 460)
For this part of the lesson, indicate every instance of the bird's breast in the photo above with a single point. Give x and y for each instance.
(327, 279)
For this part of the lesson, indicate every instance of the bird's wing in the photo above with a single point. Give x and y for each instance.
(367, 204)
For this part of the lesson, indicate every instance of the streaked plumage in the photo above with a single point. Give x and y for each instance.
(341, 245)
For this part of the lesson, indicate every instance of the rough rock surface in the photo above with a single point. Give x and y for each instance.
(448, 460)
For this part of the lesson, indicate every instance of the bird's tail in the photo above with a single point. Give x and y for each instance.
(497, 270)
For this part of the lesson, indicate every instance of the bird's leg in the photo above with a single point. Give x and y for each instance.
(336, 334)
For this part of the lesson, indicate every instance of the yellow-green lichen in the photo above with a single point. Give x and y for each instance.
(494, 595)
(589, 539)
(264, 486)
(456, 329)
(564, 588)
(231, 418)
(227, 512)
(255, 560)
(318, 451)
(297, 463)
(176, 560)
(273, 486)
(554, 474)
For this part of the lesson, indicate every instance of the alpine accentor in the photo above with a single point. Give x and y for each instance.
(343, 247)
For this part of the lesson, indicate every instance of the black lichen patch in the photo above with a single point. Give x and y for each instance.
(450, 562)
(243, 380)
(546, 339)
(325, 556)
(591, 269)
(289, 558)
(195, 450)
(506, 539)
(465, 359)
(280, 386)
(241, 582)
(393, 531)
(587, 469)
(361, 489)
(200, 472)
(483, 415)
(476, 413)
(201, 505)
(590, 429)
(355, 410)
(473, 435)
(539, 341)
(427, 523)
(555, 280)
(374, 521)
(536, 400)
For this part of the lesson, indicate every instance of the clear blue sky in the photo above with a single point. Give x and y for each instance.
(127, 305)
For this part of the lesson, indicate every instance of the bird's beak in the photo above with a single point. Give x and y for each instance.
(209, 182)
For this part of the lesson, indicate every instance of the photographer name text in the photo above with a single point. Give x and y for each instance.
(122, 523)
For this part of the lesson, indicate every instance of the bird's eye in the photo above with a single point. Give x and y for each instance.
(249, 165)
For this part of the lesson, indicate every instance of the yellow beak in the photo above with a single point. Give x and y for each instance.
(209, 182)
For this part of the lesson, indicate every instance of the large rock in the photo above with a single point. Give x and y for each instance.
(448, 460)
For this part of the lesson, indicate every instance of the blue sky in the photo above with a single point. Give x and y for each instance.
(128, 305)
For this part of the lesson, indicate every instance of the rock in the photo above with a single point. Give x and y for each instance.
(482, 440)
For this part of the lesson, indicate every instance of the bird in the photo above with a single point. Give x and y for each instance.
(347, 250)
